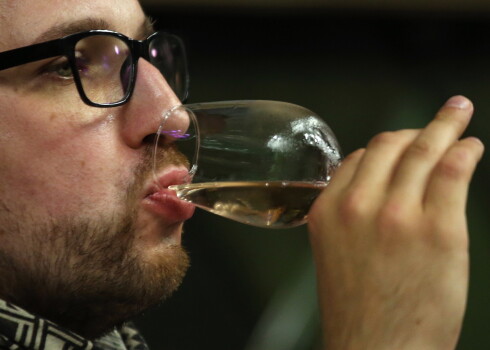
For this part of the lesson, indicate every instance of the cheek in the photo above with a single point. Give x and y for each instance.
(48, 164)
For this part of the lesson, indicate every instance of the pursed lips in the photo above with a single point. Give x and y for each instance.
(162, 201)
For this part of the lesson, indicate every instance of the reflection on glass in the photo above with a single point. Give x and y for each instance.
(261, 163)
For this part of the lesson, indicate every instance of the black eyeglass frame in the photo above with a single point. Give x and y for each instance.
(65, 46)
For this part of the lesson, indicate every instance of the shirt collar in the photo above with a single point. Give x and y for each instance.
(20, 329)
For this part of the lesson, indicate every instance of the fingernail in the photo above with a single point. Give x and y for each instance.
(459, 102)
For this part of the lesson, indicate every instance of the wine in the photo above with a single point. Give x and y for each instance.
(274, 204)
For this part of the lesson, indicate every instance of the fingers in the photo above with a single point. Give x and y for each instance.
(448, 187)
(345, 172)
(426, 168)
(330, 195)
(424, 153)
(377, 164)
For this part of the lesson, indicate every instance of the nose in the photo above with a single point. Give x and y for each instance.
(145, 112)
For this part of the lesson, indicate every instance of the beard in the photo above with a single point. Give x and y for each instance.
(87, 274)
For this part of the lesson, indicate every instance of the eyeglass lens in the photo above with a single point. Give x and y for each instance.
(105, 66)
(167, 54)
(103, 63)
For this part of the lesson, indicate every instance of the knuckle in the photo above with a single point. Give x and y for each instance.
(352, 207)
(453, 166)
(393, 137)
(447, 235)
(386, 137)
(420, 148)
(391, 218)
(353, 156)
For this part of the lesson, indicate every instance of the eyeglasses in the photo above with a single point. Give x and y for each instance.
(103, 63)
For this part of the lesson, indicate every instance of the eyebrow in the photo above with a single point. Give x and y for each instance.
(147, 28)
(64, 29)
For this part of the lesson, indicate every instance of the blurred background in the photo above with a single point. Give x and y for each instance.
(365, 67)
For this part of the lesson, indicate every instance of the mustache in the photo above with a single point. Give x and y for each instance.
(166, 155)
(155, 158)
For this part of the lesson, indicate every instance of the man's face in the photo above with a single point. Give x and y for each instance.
(81, 236)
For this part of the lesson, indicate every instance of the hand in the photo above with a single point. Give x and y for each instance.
(390, 241)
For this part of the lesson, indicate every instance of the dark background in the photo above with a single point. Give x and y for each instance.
(363, 72)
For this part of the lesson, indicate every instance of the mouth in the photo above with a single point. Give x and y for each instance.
(163, 202)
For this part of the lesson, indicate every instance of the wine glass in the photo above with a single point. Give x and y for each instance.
(257, 162)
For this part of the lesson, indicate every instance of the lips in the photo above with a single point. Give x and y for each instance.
(164, 202)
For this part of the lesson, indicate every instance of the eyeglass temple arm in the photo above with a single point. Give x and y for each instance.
(27, 54)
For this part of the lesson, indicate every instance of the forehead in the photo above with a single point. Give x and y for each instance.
(22, 22)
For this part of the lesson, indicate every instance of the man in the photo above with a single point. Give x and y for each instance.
(86, 242)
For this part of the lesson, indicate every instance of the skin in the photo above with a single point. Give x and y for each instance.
(390, 239)
(78, 246)
(74, 227)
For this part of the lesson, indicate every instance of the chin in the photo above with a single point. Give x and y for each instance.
(156, 232)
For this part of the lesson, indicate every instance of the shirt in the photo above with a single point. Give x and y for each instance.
(21, 330)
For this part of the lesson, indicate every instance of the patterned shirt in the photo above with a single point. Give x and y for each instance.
(20, 330)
